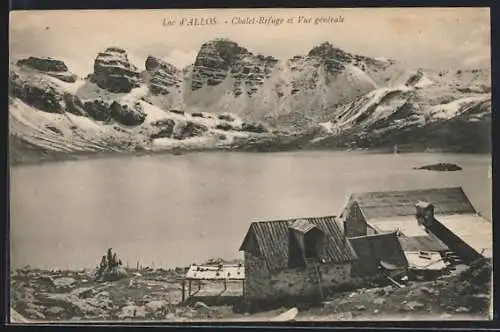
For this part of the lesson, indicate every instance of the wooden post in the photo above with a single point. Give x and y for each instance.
(225, 284)
(183, 290)
(318, 274)
(199, 285)
(189, 287)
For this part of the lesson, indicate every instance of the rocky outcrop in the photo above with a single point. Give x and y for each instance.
(100, 110)
(73, 104)
(114, 72)
(44, 64)
(221, 58)
(129, 116)
(414, 78)
(188, 129)
(50, 66)
(253, 127)
(335, 58)
(441, 167)
(389, 118)
(330, 97)
(163, 128)
(97, 110)
(164, 76)
(43, 95)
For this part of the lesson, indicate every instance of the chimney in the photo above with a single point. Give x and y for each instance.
(424, 213)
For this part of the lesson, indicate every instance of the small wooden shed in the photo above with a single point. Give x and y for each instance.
(198, 275)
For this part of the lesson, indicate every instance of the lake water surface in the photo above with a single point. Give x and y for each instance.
(170, 210)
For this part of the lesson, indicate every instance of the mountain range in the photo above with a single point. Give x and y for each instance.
(232, 98)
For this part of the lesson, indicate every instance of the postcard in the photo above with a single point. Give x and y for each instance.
(250, 165)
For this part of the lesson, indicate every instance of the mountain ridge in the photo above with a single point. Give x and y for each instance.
(231, 96)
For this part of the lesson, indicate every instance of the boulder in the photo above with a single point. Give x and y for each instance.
(98, 110)
(132, 312)
(163, 128)
(156, 308)
(114, 72)
(127, 115)
(413, 305)
(253, 127)
(188, 129)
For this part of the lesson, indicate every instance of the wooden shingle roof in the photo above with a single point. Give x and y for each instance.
(272, 239)
(383, 204)
(302, 226)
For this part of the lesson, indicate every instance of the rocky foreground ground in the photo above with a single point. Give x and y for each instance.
(73, 296)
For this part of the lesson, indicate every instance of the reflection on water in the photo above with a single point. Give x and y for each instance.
(175, 210)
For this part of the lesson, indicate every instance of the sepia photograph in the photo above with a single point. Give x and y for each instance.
(250, 165)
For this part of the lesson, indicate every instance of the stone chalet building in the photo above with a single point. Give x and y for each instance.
(296, 257)
(378, 234)
(308, 257)
(395, 211)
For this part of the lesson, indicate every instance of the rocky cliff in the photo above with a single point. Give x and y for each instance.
(230, 96)
(49, 66)
(163, 76)
(114, 72)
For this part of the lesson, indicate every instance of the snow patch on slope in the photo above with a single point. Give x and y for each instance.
(454, 108)
(359, 76)
(369, 107)
(423, 82)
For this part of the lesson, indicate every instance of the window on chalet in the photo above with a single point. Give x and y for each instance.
(313, 243)
(305, 243)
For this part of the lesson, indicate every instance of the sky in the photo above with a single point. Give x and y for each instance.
(417, 37)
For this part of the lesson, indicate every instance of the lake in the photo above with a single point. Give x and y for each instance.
(174, 210)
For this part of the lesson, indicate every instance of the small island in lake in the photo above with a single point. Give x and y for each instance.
(441, 167)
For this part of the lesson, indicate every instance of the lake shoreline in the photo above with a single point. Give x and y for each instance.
(201, 204)
(64, 157)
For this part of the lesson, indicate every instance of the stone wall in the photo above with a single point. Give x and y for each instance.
(257, 276)
(261, 283)
(304, 281)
